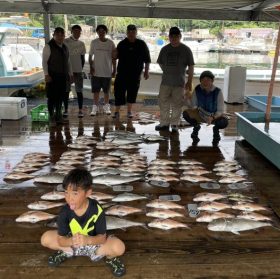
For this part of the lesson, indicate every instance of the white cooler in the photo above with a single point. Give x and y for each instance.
(13, 108)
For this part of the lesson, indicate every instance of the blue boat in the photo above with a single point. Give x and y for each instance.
(260, 103)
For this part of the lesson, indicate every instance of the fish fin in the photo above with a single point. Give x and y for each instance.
(235, 232)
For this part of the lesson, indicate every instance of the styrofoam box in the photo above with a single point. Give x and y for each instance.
(13, 108)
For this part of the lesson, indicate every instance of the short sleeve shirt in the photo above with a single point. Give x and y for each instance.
(102, 52)
(76, 50)
(174, 61)
(132, 57)
(92, 223)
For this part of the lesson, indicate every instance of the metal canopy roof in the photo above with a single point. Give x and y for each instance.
(239, 10)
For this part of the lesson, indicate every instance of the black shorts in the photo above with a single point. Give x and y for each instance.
(98, 83)
(126, 85)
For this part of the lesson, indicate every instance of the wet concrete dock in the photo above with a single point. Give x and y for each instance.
(178, 253)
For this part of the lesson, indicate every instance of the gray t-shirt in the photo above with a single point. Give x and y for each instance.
(173, 62)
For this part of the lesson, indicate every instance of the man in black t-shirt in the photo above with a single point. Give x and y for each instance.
(132, 54)
(82, 227)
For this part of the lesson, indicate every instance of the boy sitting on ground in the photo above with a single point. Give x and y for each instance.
(208, 107)
(82, 227)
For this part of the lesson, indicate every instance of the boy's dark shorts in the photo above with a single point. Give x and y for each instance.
(98, 83)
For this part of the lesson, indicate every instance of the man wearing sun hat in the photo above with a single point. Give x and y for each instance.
(208, 107)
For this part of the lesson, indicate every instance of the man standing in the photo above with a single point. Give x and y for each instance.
(174, 59)
(102, 68)
(58, 73)
(77, 51)
(132, 54)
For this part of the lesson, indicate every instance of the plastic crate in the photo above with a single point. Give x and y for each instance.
(40, 113)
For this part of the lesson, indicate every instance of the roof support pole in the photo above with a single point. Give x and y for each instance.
(46, 17)
(271, 85)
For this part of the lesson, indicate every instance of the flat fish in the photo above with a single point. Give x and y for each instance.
(200, 197)
(131, 169)
(228, 174)
(163, 213)
(106, 158)
(166, 224)
(114, 223)
(122, 210)
(253, 216)
(162, 162)
(164, 204)
(118, 153)
(34, 216)
(128, 146)
(124, 141)
(124, 197)
(249, 206)
(31, 165)
(105, 164)
(190, 167)
(100, 196)
(65, 168)
(68, 162)
(159, 167)
(189, 162)
(195, 178)
(210, 216)
(78, 146)
(114, 179)
(233, 179)
(51, 178)
(18, 176)
(162, 172)
(43, 205)
(227, 168)
(153, 137)
(239, 197)
(103, 171)
(235, 225)
(213, 206)
(195, 172)
(36, 154)
(74, 153)
(224, 163)
(53, 196)
(25, 170)
(163, 178)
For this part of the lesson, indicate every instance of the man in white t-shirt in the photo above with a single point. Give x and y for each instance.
(102, 68)
(77, 51)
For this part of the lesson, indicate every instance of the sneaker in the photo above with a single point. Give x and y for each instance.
(116, 115)
(162, 127)
(58, 258)
(107, 109)
(129, 114)
(117, 267)
(174, 129)
(94, 111)
(80, 114)
(65, 114)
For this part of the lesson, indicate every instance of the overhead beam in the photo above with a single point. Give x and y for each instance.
(145, 12)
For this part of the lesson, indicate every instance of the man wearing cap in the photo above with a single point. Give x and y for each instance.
(132, 55)
(208, 107)
(77, 51)
(174, 59)
(58, 73)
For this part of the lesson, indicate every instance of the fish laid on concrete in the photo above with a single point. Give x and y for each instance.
(162, 162)
(111, 179)
(36, 154)
(34, 216)
(239, 197)
(65, 168)
(213, 206)
(249, 206)
(103, 171)
(226, 163)
(163, 178)
(124, 197)
(195, 172)
(105, 164)
(79, 146)
(51, 178)
(18, 176)
(25, 170)
(253, 216)
(235, 225)
(228, 174)
(200, 197)
(74, 153)
(189, 167)
(227, 168)
(166, 224)
(106, 158)
(189, 162)
(131, 169)
(118, 153)
(159, 167)
(43, 205)
(114, 223)
(123, 141)
(232, 179)
(53, 196)
(153, 137)
(195, 178)
(67, 162)
(100, 196)
(162, 172)
(128, 146)
(164, 204)
(31, 164)
(163, 213)
(210, 216)
(122, 210)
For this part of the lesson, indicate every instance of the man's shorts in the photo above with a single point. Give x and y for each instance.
(79, 81)
(125, 85)
(98, 83)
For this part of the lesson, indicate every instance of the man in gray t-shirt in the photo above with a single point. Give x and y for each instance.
(174, 59)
